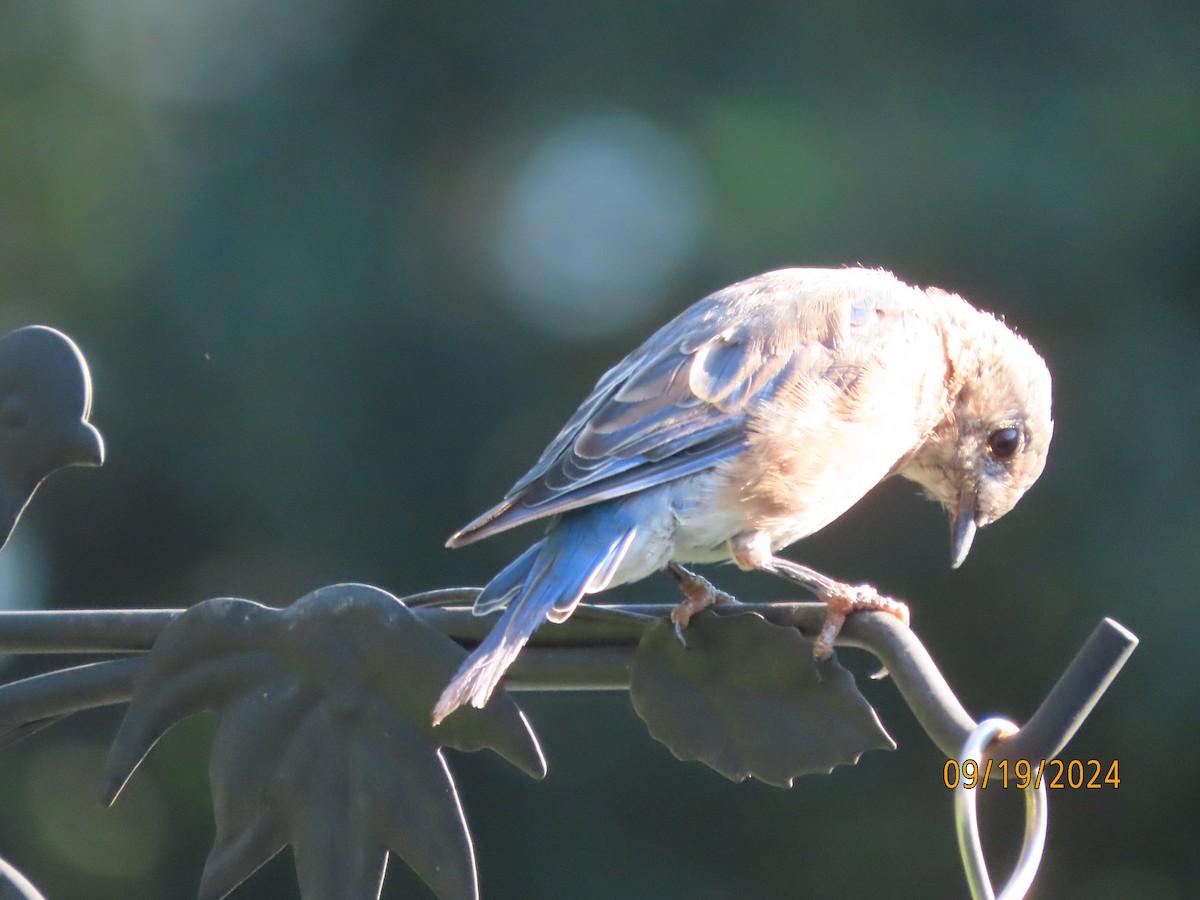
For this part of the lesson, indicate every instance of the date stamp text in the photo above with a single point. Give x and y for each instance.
(1055, 774)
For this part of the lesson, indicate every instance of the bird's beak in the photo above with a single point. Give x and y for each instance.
(962, 527)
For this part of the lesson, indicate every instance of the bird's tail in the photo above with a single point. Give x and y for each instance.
(579, 555)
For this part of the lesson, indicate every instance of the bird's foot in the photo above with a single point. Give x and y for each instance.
(698, 595)
(850, 599)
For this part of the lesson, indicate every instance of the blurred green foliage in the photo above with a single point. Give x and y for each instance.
(278, 233)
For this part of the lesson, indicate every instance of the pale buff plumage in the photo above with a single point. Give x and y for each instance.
(754, 418)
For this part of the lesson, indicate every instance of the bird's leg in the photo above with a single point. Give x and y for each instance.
(840, 598)
(698, 594)
(753, 551)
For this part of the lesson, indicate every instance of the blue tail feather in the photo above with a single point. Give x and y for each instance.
(504, 586)
(580, 555)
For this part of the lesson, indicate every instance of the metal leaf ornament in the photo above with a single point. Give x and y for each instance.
(45, 401)
(324, 739)
(745, 697)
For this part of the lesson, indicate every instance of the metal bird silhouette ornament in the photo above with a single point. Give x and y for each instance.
(753, 419)
(45, 401)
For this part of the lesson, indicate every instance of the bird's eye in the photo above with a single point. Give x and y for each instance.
(1004, 443)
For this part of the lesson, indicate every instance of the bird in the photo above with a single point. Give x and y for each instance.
(45, 402)
(753, 419)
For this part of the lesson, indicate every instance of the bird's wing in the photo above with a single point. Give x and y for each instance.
(679, 404)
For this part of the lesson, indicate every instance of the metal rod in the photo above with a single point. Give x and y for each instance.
(915, 675)
(82, 630)
(1073, 696)
(567, 669)
(591, 651)
(31, 703)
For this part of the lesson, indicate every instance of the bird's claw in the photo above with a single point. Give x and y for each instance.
(698, 595)
(679, 633)
(681, 617)
(854, 598)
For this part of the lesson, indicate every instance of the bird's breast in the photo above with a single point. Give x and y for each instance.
(822, 442)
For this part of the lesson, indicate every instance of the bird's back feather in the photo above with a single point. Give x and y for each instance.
(680, 403)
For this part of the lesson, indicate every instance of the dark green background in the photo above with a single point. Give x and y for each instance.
(276, 231)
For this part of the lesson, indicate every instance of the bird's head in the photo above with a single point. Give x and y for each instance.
(991, 447)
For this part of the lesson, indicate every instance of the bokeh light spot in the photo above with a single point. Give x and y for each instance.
(602, 215)
(123, 842)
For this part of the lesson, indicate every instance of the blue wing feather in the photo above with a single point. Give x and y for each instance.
(680, 403)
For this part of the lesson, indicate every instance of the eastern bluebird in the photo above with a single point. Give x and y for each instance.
(754, 418)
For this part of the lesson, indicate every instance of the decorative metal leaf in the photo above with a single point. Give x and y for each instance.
(324, 739)
(745, 698)
(45, 401)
